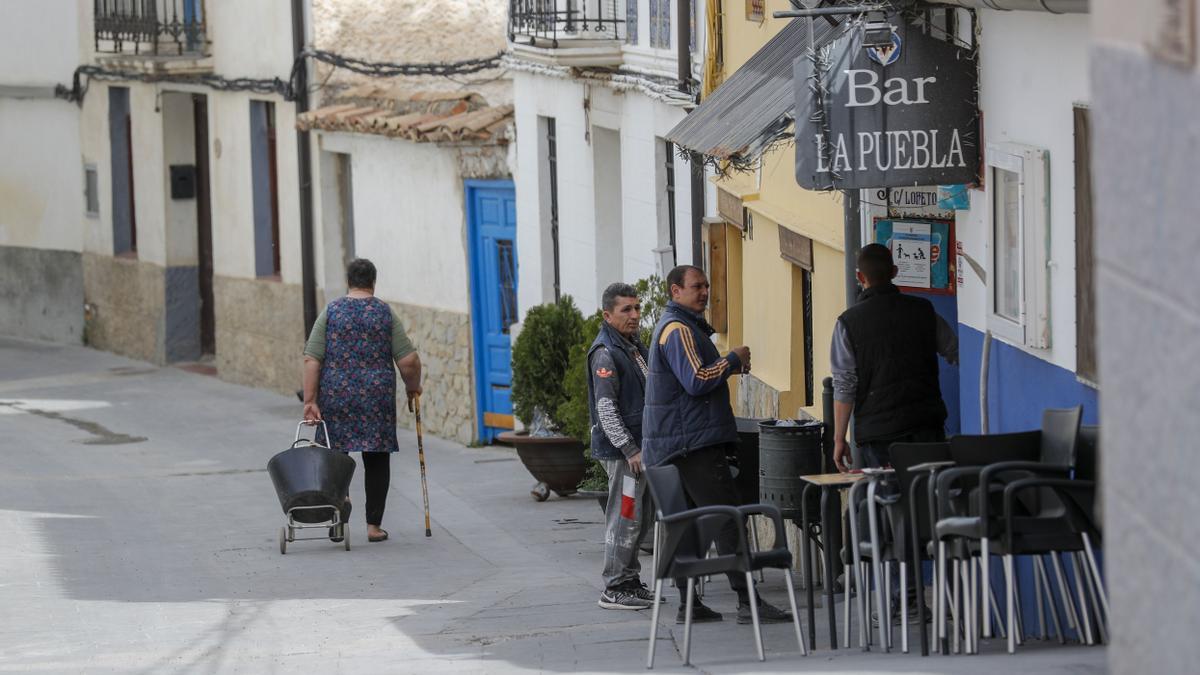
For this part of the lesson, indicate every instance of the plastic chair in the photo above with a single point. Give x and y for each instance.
(687, 535)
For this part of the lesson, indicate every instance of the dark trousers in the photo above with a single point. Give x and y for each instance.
(377, 476)
(707, 481)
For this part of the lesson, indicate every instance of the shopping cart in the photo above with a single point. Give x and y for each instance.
(313, 485)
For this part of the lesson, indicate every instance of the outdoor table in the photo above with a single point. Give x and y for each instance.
(826, 482)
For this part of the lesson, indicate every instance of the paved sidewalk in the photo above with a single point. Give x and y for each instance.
(143, 538)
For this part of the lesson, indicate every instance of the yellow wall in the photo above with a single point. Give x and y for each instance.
(765, 292)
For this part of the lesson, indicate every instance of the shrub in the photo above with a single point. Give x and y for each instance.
(540, 357)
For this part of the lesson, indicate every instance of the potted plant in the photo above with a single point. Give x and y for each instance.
(540, 357)
(575, 412)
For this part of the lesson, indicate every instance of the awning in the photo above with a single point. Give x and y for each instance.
(753, 108)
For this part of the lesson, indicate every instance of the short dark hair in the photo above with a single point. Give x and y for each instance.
(676, 276)
(360, 273)
(614, 291)
(875, 263)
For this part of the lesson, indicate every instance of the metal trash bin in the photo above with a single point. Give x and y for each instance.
(786, 452)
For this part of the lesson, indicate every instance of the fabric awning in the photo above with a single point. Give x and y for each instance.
(753, 108)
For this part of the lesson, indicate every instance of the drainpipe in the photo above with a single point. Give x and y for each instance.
(683, 51)
(852, 241)
(304, 162)
(1052, 6)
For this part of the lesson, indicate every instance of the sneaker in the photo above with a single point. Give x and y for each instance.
(700, 613)
(621, 598)
(767, 613)
(640, 590)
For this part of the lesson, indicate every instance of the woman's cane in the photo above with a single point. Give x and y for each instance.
(414, 404)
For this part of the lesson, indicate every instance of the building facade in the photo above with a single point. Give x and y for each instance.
(601, 195)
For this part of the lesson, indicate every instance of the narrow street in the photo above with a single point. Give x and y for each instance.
(143, 538)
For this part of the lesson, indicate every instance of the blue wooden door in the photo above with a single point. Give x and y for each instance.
(492, 228)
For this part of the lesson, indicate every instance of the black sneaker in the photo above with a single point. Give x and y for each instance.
(700, 613)
(640, 590)
(767, 613)
(621, 598)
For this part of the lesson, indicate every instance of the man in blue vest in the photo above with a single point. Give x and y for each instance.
(689, 421)
(616, 395)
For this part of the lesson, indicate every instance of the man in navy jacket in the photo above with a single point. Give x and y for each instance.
(689, 422)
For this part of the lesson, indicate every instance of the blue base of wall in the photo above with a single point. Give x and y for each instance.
(1020, 387)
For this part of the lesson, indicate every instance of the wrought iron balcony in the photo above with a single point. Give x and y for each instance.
(549, 23)
(150, 27)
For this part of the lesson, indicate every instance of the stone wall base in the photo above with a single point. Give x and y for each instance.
(260, 333)
(41, 294)
(443, 339)
(125, 305)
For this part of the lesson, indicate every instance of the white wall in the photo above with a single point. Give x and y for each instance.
(409, 218)
(1033, 69)
(41, 176)
(640, 120)
(40, 41)
(251, 39)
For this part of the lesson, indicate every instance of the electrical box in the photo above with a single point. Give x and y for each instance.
(183, 181)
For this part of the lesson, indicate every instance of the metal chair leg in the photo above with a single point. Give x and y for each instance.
(1065, 592)
(863, 623)
(1083, 605)
(956, 605)
(904, 606)
(1039, 569)
(846, 606)
(657, 546)
(1101, 630)
(887, 599)
(687, 622)
(658, 584)
(941, 594)
(972, 602)
(876, 563)
(758, 643)
(1011, 600)
(787, 575)
(986, 580)
(1091, 559)
(1037, 599)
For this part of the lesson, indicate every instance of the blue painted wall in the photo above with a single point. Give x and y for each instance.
(1020, 387)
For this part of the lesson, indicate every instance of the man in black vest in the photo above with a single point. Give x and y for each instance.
(616, 395)
(885, 367)
(689, 421)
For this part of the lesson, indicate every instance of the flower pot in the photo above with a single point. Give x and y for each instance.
(556, 461)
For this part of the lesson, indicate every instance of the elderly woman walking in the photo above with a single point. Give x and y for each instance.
(350, 383)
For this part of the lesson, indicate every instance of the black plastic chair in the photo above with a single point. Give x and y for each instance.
(1050, 452)
(687, 535)
(1065, 522)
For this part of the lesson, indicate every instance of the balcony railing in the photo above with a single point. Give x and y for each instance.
(150, 27)
(539, 22)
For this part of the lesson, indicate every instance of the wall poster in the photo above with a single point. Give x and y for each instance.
(923, 252)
